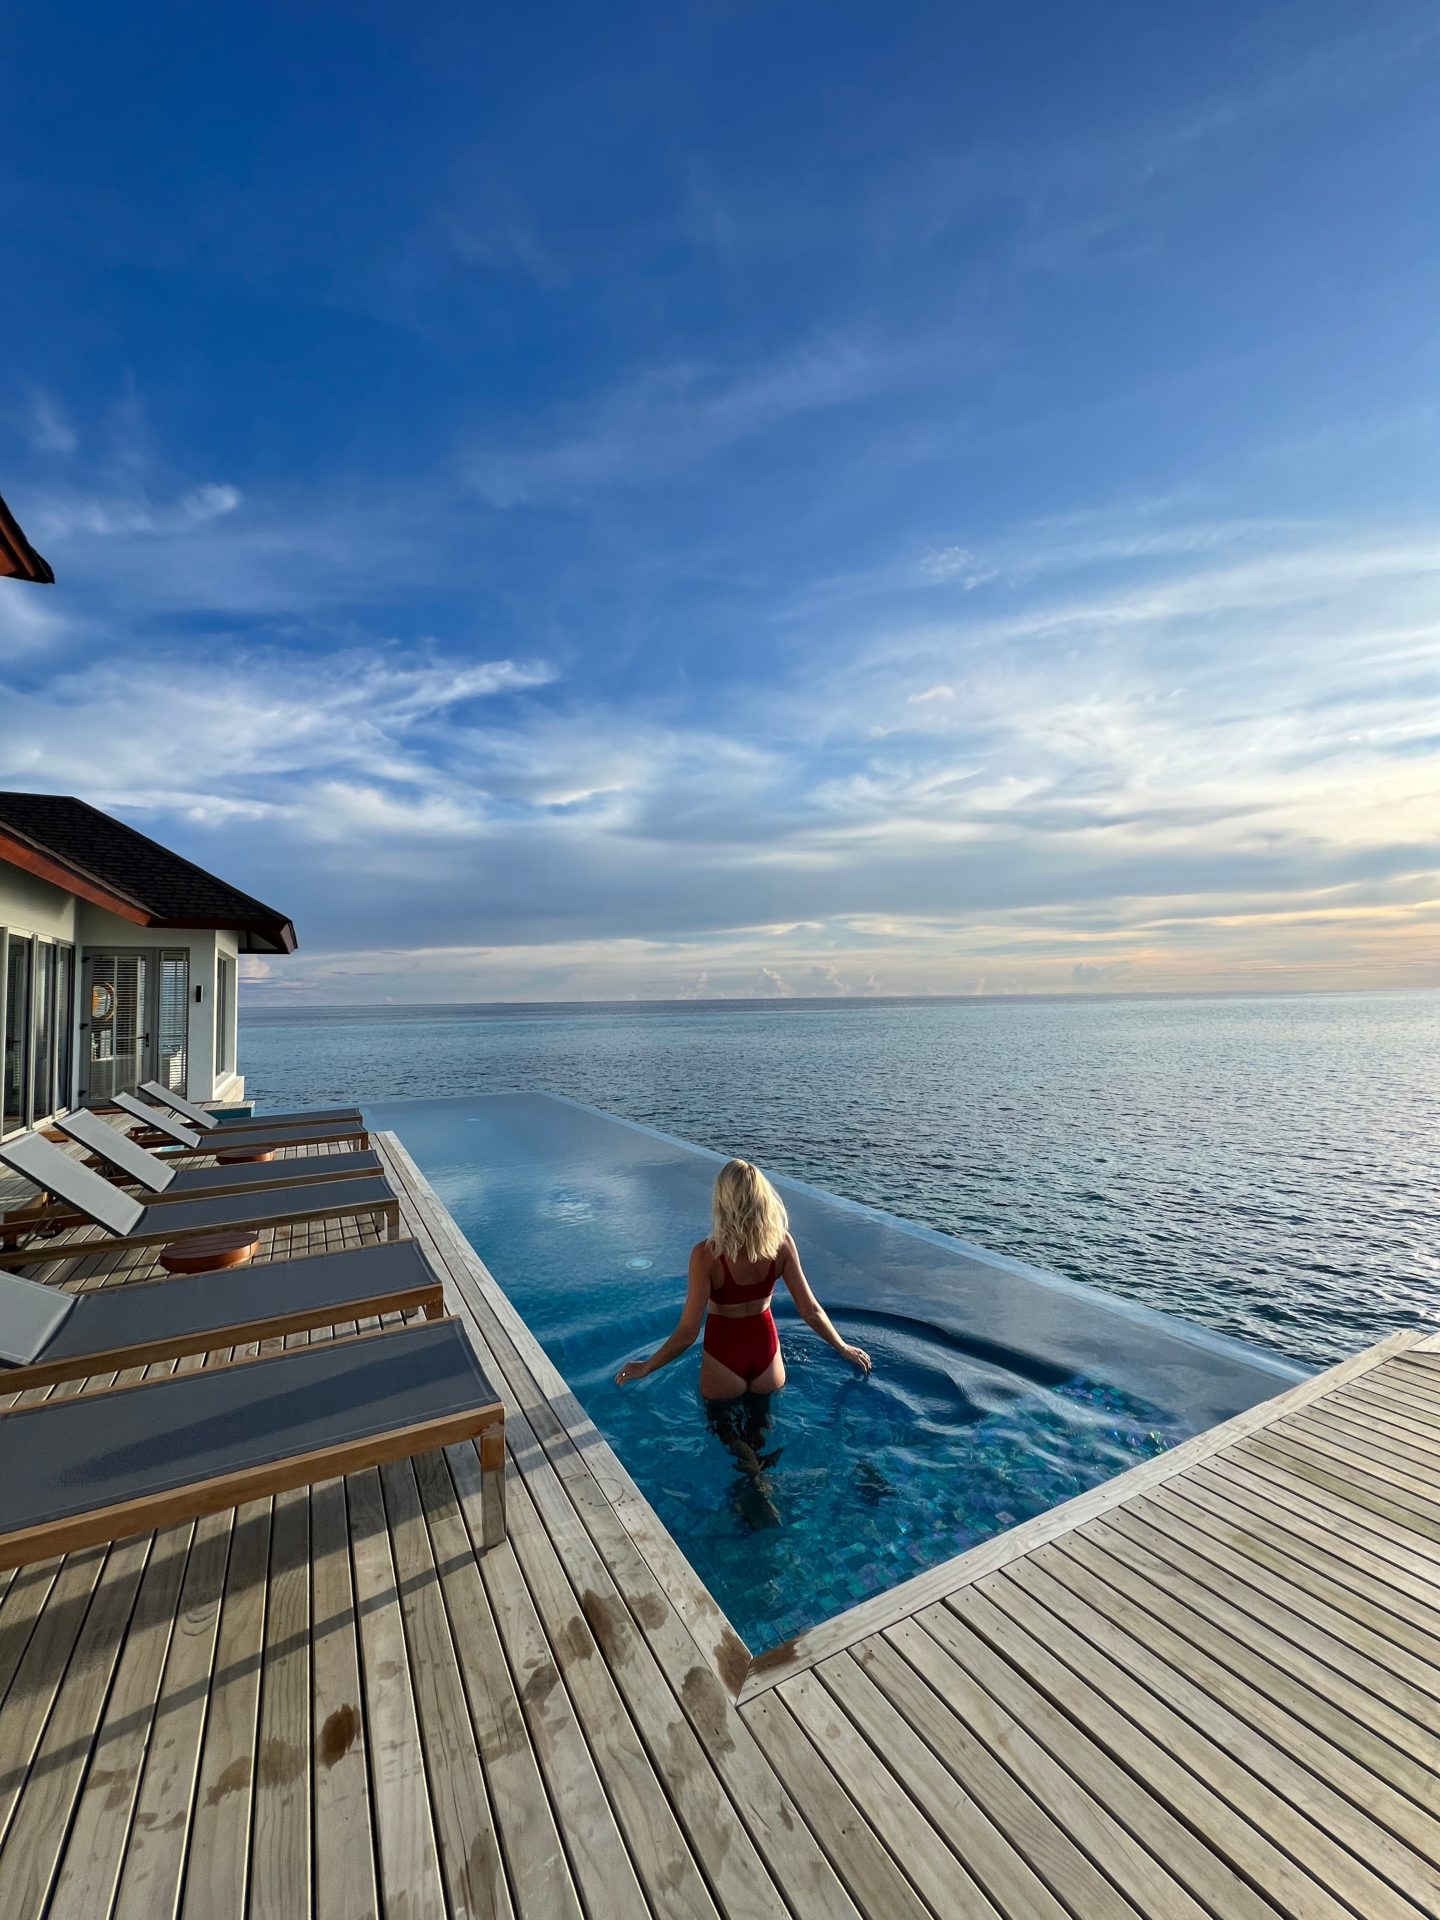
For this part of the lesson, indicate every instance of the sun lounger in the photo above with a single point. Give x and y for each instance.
(190, 1139)
(101, 1466)
(47, 1334)
(170, 1180)
(135, 1224)
(207, 1122)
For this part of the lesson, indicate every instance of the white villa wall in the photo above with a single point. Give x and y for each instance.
(29, 905)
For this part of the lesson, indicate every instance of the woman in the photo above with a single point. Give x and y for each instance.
(732, 1276)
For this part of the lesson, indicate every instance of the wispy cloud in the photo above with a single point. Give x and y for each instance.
(671, 417)
(46, 427)
(254, 744)
(61, 516)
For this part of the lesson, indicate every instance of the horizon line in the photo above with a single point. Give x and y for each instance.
(282, 998)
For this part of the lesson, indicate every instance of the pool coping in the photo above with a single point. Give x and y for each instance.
(743, 1673)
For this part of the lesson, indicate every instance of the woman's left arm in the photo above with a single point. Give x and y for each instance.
(692, 1318)
(811, 1311)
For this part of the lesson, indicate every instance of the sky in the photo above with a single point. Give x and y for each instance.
(732, 499)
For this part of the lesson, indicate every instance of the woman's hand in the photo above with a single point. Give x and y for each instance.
(633, 1370)
(859, 1356)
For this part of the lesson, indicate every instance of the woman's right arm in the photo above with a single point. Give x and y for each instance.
(692, 1318)
(811, 1311)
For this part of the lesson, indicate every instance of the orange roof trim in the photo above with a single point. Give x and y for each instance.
(18, 559)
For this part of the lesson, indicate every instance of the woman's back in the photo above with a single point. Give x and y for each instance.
(734, 1289)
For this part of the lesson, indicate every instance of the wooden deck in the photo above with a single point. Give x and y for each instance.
(1208, 1688)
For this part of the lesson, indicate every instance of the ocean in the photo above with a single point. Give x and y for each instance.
(1268, 1166)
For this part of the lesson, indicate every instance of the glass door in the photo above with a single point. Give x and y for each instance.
(115, 1029)
(18, 962)
(42, 1056)
(170, 1022)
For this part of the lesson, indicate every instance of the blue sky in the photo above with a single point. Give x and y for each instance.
(725, 499)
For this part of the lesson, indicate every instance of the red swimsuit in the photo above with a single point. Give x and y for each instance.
(748, 1343)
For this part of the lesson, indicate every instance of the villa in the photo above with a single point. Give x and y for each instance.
(1202, 1689)
(118, 962)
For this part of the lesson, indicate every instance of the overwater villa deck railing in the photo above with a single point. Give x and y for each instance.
(1206, 1689)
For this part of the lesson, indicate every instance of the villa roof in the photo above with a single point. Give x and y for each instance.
(18, 558)
(75, 846)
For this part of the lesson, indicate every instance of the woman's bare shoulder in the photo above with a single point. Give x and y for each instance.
(702, 1254)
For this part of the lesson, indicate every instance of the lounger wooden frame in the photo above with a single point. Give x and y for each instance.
(387, 1210)
(60, 1217)
(428, 1299)
(485, 1424)
(357, 1138)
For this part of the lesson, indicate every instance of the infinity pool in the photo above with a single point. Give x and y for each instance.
(998, 1390)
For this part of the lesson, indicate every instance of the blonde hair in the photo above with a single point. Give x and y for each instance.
(748, 1215)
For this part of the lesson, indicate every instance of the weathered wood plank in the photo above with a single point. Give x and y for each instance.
(1388, 1579)
(871, 1875)
(409, 1865)
(1137, 1809)
(1051, 1854)
(1203, 1731)
(536, 1868)
(658, 1848)
(152, 1871)
(281, 1851)
(1385, 1422)
(585, 1820)
(1346, 1478)
(343, 1814)
(1080, 1818)
(465, 1835)
(1370, 1646)
(1408, 1474)
(1092, 1692)
(954, 1813)
(1289, 1719)
(34, 1842)
(41, 1669)
(940, 1876)
(1385, 1390)
(93, 1852)
(1350, 1523)
(218, 1864)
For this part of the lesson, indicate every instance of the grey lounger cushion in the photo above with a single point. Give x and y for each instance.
(95, 1452)
(173, 1180)
(267, 1206)
(177, 1313)
(50, 1167)
(290, 1134)
(202, 1117)
(31, 1316)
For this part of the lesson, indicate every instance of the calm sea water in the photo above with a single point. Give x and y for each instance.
(1268, 1166)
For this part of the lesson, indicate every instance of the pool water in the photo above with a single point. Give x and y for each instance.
(997, 1391)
